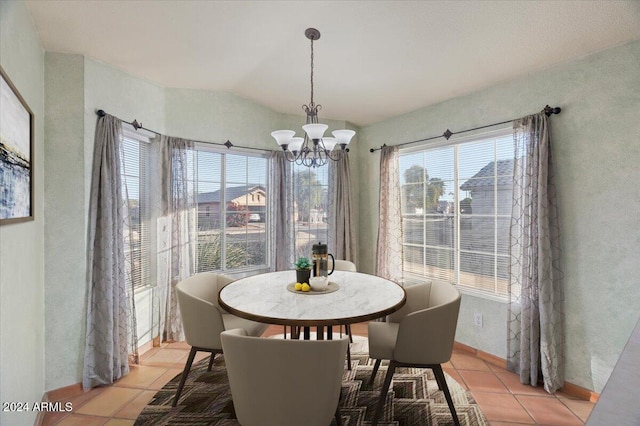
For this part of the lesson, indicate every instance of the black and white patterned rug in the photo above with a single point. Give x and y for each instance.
(414, 401)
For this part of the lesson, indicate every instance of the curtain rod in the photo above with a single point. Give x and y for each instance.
(136, 125)
(448, 133)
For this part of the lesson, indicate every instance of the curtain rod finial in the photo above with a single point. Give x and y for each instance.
(551, 110)
(101, 113)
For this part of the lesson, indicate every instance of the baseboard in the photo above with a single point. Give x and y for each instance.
(64, 393)
(580, 392)
(568, 387)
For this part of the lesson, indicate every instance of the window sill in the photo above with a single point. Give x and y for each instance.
(482, 294)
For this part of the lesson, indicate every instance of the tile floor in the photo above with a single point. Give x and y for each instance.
(502, 398)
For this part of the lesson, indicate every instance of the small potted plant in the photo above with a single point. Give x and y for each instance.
(303, 270)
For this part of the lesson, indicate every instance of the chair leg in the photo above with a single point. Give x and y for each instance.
(438, 380)
(383, 393)
(213, 355)
(437, 371)
(375, 371)
(348, 357)
(185, 373)
(347, 329)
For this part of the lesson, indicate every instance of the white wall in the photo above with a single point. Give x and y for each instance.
(596, 150)
(21, 245)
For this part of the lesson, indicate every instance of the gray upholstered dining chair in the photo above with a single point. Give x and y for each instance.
(420, 335)
(203, 319)
(278, 382)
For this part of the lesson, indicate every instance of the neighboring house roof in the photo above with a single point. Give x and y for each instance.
(485, 177)
(231, 193)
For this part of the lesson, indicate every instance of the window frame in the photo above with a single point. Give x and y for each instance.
(324, 217)
(224, 152)
(456, 141)
(141, 136)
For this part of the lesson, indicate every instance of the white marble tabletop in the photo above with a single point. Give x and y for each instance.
(265, 298)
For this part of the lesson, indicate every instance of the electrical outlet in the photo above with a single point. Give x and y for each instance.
(477, 319)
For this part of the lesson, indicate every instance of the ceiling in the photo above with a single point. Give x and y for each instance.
(374, 60)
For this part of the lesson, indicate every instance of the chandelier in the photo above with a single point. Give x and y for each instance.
(314, 150)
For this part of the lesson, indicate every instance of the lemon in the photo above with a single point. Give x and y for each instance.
(305, 287)
(297, 286)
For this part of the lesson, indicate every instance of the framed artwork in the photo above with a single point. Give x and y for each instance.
(16, 155)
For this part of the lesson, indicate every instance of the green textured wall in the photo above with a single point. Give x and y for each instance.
(22, 328)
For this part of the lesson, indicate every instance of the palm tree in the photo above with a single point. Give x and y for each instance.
(308, 192)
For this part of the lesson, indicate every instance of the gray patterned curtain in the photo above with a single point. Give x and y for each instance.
(178, 236)
(536, 297)
(389, 254)
(342, 237)
(282, 212)
(108, 304)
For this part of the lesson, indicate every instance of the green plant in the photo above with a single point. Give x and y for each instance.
(209, 254)
(303, 263)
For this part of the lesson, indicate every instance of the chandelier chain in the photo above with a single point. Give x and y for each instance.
(311, 73)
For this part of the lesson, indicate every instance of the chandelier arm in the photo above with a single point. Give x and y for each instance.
(289, 156)
(335, 155)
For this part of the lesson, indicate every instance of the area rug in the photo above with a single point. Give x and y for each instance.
(414, 401)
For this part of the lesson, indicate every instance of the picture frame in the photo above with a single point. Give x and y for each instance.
(16, 154)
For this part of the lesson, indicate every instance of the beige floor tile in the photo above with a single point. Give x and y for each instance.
(463, 361)
(501, 407)
(80, 400)
(53, 418)
(580, 408)
(165, 378)
(148, 354)
(135, 407)
(166, 357)
(455, 376)
(178, 345)
(512, 382)
(548, 411)
(483, 381)
(109, 402)
(141, 376)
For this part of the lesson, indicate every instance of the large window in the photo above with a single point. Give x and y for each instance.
(134, 173)
(456, 204)
(231, 195)
(230, 192)
(310, 187)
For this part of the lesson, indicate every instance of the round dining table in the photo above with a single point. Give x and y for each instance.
(352, 297)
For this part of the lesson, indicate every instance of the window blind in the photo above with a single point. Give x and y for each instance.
(456, 204)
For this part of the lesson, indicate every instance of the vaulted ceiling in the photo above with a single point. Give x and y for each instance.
(374, 60)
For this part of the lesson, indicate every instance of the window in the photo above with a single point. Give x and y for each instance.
(134, 173)
(310, 190)
(456, 204)
(231, 225)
